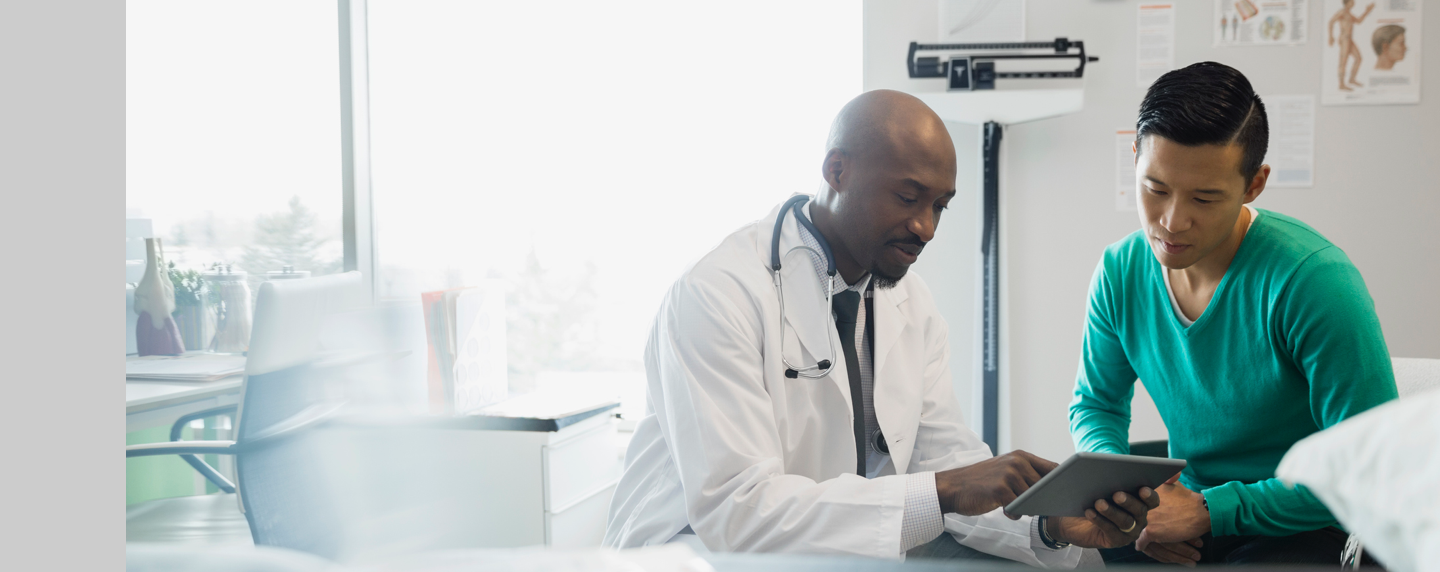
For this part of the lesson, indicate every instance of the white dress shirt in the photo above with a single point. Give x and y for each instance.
(923, 520)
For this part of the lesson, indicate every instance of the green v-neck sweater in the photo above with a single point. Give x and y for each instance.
(1289, 345)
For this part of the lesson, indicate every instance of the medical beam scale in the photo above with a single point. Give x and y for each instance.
(993, 85)
(977, 66)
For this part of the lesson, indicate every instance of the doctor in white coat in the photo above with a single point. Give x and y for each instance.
(766, 431)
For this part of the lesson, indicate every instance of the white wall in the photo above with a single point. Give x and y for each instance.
(1375, 196)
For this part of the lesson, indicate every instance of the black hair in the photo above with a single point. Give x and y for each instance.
(1207, 103)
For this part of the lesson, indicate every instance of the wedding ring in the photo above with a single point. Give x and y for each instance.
(1132, 527)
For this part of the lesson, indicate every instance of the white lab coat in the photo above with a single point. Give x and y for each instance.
(753, 461)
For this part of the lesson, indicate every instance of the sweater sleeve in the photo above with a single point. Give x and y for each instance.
(1325, 319)
(1105, 382)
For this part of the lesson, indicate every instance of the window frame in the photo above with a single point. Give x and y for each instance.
(357, 214)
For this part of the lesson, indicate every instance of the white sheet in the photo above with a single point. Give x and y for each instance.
(1379, 473)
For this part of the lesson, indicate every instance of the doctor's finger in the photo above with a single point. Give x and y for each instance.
(1029, 473)
(1004, 497)
(1106, 526)
(1041, 465)
(1125, 523)
(1148, 495)
(1131, 504)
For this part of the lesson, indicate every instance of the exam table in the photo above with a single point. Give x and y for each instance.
(174, 558)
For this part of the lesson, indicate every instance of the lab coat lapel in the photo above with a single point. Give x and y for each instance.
(807, 315)
(897, 385)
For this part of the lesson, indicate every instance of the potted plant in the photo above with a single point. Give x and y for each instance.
(193, 315)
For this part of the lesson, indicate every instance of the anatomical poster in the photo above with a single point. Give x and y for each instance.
(1292, 140)
(1372, 52)
(1261, 22)
(1154, 42)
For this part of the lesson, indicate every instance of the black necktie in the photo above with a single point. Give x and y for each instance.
(846, 305)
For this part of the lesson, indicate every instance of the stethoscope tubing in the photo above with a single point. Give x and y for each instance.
(821, 368)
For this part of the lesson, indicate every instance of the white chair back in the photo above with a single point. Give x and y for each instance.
(1415, 375)
(289, 315)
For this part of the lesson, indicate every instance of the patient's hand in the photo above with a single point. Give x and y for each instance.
(1175, 528)
(1109, 524)
(1182, 515)
(1182, 553)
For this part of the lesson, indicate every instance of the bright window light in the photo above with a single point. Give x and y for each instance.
(232, 132)
(587, 152)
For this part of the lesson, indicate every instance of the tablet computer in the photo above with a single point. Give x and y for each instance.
(1082, 479)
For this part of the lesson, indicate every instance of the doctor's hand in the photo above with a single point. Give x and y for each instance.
(989, 484)
(1107, 524)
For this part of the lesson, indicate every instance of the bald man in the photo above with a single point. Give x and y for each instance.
(823, 420)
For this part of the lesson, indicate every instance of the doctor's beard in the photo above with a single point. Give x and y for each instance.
(885, 280)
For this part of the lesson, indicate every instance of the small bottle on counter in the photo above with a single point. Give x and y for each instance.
(286, 272)
(230, 297)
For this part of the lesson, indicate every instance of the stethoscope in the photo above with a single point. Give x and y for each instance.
(822, 367)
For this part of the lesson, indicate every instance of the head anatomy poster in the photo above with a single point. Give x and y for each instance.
(1372, 52)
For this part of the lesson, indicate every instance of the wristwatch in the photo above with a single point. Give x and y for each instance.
(1050, 543)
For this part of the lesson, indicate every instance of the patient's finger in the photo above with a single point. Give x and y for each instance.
(1196, 542)
(1162, 551)
(1182, 549)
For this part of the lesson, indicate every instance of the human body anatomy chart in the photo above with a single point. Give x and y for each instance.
(1372, 52)
(1257, 23)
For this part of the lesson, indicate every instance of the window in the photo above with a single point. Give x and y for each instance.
(587, 152)
(232, 134)
(584, 153)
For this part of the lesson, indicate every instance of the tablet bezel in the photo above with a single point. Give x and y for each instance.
(1103, 472)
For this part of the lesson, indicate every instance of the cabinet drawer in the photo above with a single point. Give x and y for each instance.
(576, 468)
(582, 525)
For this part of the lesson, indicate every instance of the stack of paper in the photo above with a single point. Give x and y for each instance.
(193, 366)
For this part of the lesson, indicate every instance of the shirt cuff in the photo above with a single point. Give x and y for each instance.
(923, 521)
(1037, 542)
(1222, 502)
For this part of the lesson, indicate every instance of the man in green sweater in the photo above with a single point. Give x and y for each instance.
(1248, 328)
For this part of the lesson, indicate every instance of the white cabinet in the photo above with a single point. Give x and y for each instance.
(580, 470)
(405, 487)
